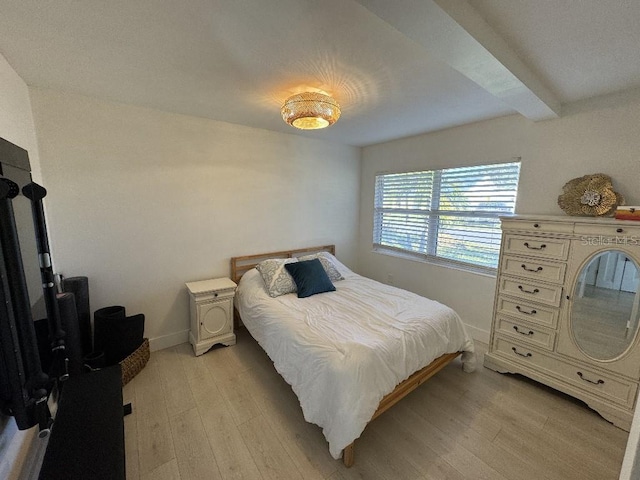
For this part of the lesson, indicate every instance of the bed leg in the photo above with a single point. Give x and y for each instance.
(348, 456)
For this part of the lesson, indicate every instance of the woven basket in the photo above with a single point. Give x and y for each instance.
(135, 362)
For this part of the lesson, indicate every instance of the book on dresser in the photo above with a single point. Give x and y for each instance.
(566, 308)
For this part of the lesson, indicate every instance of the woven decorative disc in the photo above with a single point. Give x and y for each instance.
(590, 196)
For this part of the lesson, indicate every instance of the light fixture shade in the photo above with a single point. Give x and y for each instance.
(310, 110)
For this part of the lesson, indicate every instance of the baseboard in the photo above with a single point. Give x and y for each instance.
(166, 341)
(478, 333)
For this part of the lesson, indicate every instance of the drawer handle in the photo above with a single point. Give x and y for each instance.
(541, 247)
(619, 230)
(535, 225)
(599, 382)
(532, 312)
(515, 327)
(526, 355)
(532, 292)
(534, 270)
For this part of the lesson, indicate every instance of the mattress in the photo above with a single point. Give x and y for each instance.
(343, 351)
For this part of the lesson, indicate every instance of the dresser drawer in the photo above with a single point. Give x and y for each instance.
(553, 248)
(616, 390)
(525, 333)
(543, 316)
(536, 226)
(531, 291)
(536, 269)
(631, 232)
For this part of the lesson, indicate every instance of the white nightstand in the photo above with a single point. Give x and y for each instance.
(211, 304)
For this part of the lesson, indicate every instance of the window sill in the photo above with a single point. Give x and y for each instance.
(440, 262)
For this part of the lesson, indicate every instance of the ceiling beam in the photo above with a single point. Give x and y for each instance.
(454, 32)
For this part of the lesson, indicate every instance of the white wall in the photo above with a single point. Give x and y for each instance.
(600, 135)
(16, 119)
(16, 126)
(142, 201)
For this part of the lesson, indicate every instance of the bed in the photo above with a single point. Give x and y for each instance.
(350, 354)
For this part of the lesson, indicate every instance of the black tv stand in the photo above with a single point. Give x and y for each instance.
(87, 437)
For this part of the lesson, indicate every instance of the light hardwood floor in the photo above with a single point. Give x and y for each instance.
(228, 415)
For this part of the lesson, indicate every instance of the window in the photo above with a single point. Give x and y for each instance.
(448, 215)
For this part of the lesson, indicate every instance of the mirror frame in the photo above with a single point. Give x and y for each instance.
(572, 295)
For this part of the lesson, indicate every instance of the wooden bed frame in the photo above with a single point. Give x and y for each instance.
(241, 265)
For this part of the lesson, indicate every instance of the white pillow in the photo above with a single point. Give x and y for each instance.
(326, 261)
(276, 278)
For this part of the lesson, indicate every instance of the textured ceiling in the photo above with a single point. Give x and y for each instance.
(397, 68)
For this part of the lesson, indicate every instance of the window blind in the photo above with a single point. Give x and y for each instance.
(450, 214)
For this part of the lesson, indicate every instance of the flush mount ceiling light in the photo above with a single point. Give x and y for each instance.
(310, 110)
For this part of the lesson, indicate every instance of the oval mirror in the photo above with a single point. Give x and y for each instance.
(604, 318)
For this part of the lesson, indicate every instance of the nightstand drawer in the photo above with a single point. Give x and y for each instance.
(531, 291)
(526, 333)
(535, 269)
(553, 248)
(538, 314)
(216, 296)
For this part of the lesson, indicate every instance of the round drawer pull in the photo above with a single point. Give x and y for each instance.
(619, 230)
(536, 225)
(215, 294)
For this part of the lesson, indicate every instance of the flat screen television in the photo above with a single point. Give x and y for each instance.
(23, 385)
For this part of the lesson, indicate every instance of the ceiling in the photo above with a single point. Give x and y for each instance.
(397, 68)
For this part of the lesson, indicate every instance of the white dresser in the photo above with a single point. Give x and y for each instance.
(211, 305)
(566, 308)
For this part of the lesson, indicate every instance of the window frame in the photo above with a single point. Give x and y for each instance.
(433, 215)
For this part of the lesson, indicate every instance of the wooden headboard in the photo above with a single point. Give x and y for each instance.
(241, 265)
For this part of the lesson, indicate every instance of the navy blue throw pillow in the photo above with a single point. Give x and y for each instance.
(310, 277)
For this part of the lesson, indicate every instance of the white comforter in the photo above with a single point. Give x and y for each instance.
(343, 351)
